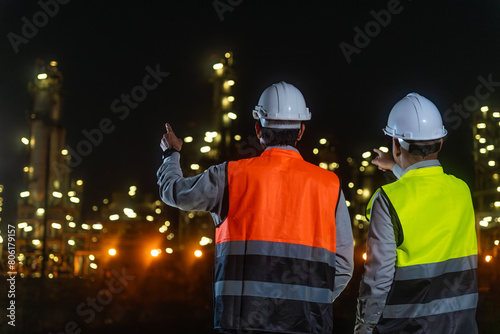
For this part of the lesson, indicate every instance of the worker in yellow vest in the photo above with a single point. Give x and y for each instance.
(284, 245)
(421, 270)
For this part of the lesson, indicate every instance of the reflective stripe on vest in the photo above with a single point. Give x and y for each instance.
(436, 265)
(275, 262)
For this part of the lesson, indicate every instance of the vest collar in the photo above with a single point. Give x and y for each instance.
(423, 164)
(282, 150)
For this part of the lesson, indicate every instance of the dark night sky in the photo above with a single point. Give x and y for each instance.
(437, 49)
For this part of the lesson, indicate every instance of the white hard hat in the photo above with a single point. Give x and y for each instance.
(415, 118)
(281, 106)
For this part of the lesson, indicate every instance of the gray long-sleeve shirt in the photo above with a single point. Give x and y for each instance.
(380, 264)
(208, 192)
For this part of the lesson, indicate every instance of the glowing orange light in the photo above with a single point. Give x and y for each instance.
(155, 252)
(112, 252)
(488, 258)
(364, 256)
(198, 253)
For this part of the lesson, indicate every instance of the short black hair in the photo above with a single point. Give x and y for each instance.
(423, 148)
(279, 137)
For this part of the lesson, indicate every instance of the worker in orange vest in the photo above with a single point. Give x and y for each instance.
(284, 245)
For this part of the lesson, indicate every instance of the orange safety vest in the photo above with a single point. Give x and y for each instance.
(275, 252)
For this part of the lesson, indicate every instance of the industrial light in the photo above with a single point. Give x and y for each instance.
(205, 241)
(188, 139)
(237, 137)
(230, 82)
(198, 253)
(383, 149)
(41, 76)
(71, 242)
(86, 226)
(195, 166)
(35, 242)
(481, 125)
(25, 141)
(24, 194)
(158, 211)
(40, 211)
(112, 251)
(491, 163)
(364, 163)
(365, 256)
(347, 203)
(79, 182)
(74, 200)
(169, 250)
(218, 66)
(149, 218)
(490, 147)
(333, 165)
(228, 55)
(28, 229)
(350, 185)
(496, 114)
(97, 226)
(91, 257)
(64, 152)
(57, 194)
(322, 141)
(208, 139)
(366, 155)
(485, 108)
(482, 150)
(230, 98)
(155, 252)
(93, 266)
(323, 165)
(488, 258)
(315, 151)
(483, 223)
(205, 149)
(496, 242)
(129, 213)
(57, 226)
(22, 225)
(232, 115)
